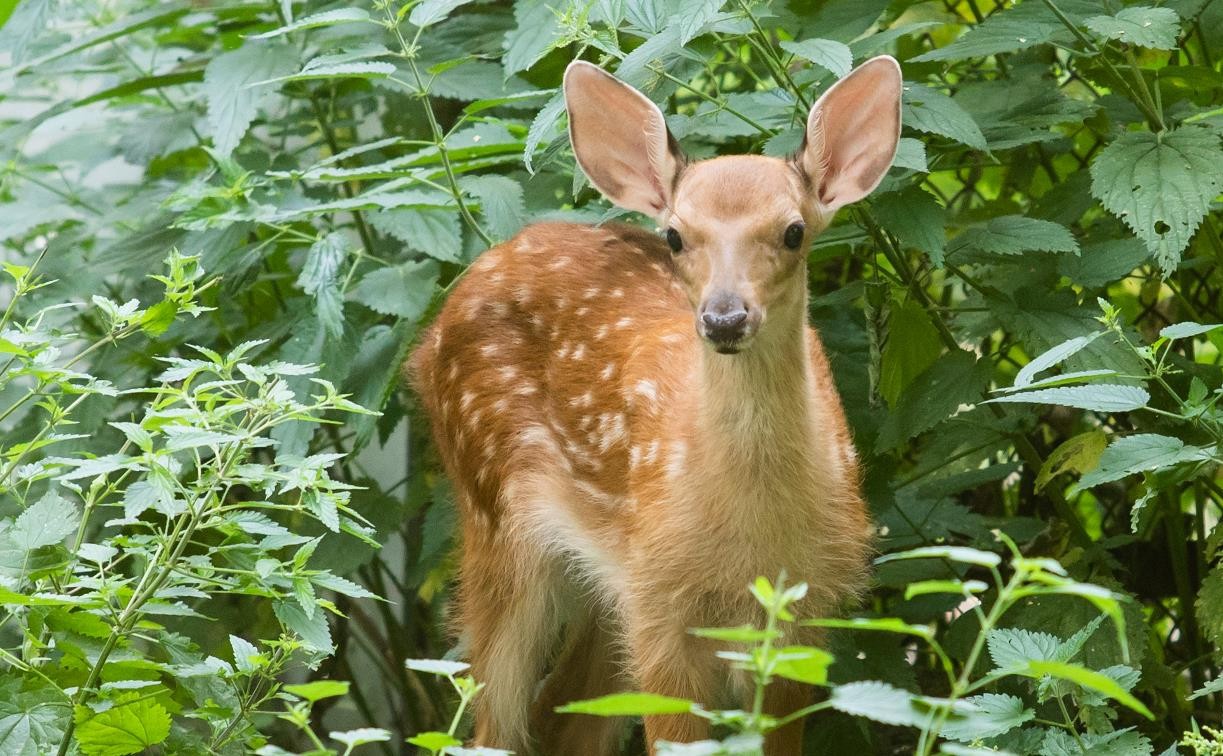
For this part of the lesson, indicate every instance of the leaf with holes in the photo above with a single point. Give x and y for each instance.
(1160, 185)
(1140, 25)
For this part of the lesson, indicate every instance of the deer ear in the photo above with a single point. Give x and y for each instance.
(852, 133)
(621, 140)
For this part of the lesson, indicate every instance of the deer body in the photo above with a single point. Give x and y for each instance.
(622, 475)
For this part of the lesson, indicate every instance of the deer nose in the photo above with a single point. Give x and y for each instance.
(724, 317)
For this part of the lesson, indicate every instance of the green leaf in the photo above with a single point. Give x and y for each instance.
(535, 34)
(317, 690)
(910, 154)
(933, 112)
(1125, 742)
(1140, 25)
(319, 20)
(1215, 685)
(913, 345)
(826, 53)
(1160, 185)
(1051, 357)
(1089, 679)
(878, 701)
(46, 522)
(1013, 235)
(313, 631)
(1019, 27)
(1078, 454)
(1099, 397)
(133, 724)
(323, 262)
(442, 667)
(916, 218)
(986, 716)
(403, 290)
(1013, 648)
(232, 103)
(361, 736)
(324, 67)
(962, 554)
(1187, 330)
(1142, 452)
(877, 624)
(628, 705)
(501, 203)
(33, 717)
(804, 664)
(741, 634)
(434, 741)
(430, 12)
(435, 231)
(1209, 606)
(955, 379)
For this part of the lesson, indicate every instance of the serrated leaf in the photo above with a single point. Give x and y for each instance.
(430, 12)
(1160, 185)
(1187, 330)
(403, 290)
(133, 724)
(435, 231)
(628, 705)
(1209, 606)
(955, 379)
(313, 631)
(803, 664)
(1019, 27)
(362, 736)
(319, 20)
(1013, 235)
(916, 218)
(1089, 679)
(317, 690)
(501, 203)
(1078, 454)
(48, 521)
(962, 554)
(910, 154)
(933, 112)
(325, 68)
(1051, 357)
(1099, 397)
(232, 103)
(32, 719)
(878, 701)
(913, 344)
(1013, 648)
(828, 54)
(1142, 452)
(1141, 25)
(986, 716)
(536, 32)
(543, 126)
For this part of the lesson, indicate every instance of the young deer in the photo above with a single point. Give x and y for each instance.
(623, 475)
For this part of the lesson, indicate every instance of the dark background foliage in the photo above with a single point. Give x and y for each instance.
(336, 165)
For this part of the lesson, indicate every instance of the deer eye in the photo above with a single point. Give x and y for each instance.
(674, 240)
(794, 235)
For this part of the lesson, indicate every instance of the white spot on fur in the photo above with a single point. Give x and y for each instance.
(677, 458)
(617, 293)
(578, 352)
(590, 293)
(601, 332)
(648, 389)
(508, 373)
(559, 262)
(491, 349)
(582, 312)
(608, 371)
(466, 399)
(624, 323)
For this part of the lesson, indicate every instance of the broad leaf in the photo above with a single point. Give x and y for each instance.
(1142, 452)
(880, 702)
(232, 102)
(628, 705)
(986, 716)
(48, 521)
(1139, 25)
(1013, 235)
(828, 54)
(402, 290)
(430, 12)
(1209, 606)
(319, 20)
(1100, 397)
(500, 203)
(1048, 359)
(1160, 185)
(1012, 648)
(133, 724)
(933, 112)
(435, 231)
(916, 218)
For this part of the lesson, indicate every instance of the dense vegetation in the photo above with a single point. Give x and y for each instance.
(223, 224)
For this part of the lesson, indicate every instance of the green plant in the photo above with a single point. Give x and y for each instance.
(335, 166)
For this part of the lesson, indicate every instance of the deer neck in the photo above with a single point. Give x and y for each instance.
(760, 401)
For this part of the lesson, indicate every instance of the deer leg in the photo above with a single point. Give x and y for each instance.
(587, 668)
(509, 609)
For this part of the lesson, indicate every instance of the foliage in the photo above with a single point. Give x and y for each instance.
(320, 173)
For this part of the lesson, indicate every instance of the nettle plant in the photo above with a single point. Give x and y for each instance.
(102, 557)
(1053, 703)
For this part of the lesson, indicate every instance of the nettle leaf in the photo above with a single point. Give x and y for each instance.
(955, 379)
(435, 231)
(628, 705)
(1127, 742)
(1187, 330)
(1078, 454)
(913, 345)
(1089, 679)
(403, 290)
(1142, 452)
(1051, 357)
(430, 12)
(1209, 606)
(1012, 648)
(501, 203)
(313, 630)
(317, 690)
(32, 719)
(232, 102)
(878, 701)
(1019, 27)
(1013, 235)
(1160, 185)
(693, 18)
(319, 20)
(916, 218)
(826, 53)
(986, 716)
(1099, 397)
(133, 724)
(1140, 25)
(48, 521)
(933, 112)
(535, 34)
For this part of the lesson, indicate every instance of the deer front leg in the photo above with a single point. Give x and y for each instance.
(669, 661)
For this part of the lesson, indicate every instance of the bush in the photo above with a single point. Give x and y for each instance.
(1020, 320)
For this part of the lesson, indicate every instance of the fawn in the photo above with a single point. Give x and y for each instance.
(637, 426)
